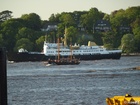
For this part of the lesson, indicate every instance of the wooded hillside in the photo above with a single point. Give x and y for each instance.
(120, 29)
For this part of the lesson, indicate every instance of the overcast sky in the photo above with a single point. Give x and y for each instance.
(44, 8)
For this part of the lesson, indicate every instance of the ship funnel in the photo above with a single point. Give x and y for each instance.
(91, 43)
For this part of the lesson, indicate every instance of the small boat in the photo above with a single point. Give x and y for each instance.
(64, 61)
(48, 64)
(123, 100)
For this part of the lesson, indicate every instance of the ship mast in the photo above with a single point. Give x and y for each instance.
(65, 37)
(70, 49)
(70, 52)
(58, 47)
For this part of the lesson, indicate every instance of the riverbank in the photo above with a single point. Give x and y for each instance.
(130, 54)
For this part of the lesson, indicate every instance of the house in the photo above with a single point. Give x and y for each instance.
(125, 28)
(102, 26)
(49, 27)
(80, 27)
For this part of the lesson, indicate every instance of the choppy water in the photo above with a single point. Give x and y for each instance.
(89, 83)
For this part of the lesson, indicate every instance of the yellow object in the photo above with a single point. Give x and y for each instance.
(123, 100)
(91, 43)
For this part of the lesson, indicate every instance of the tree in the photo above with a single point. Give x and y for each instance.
(32, 21)
(71, 34)
(136, 31)
(31, 35)
(136, 22)
(24, 43)
(54, 18)
(118, 18)
(39, 42)
(84, 21)
(88, 19)
(132, 13)
(5, 15)
(8, 31)
(60, 30)
(97, 37)
(83, 39)
(127, 43)
(67, 19)
(1, 41)
(137, 38)
(24, 32)
(94, 15)
(109, 39)
(106, 17)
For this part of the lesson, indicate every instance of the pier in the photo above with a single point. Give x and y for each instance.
(3, 77)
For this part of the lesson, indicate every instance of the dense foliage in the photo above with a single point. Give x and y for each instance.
(25, 32)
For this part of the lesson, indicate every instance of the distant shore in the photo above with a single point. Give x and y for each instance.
(130, 54)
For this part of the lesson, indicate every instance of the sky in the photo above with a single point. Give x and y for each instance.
(44, 8)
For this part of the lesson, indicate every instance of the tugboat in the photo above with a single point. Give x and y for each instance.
(64, 61)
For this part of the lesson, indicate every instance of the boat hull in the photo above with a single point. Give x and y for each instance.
(24, 57)
(64, 61)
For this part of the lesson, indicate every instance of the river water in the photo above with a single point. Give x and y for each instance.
(89, 83)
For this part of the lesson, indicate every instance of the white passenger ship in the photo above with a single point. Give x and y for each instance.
(89, 52)
(51, 50)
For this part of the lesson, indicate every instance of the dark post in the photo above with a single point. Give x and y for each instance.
(3, 77)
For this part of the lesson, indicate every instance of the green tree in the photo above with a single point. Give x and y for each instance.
(83, 39)
(1, 41)
(32, 21)
(24, 43)
(71, 34)
(137, 38)
(136, 22)
(54, 18)
(97, 37)
(24, 32)
(127, 43)
(94, 15)
(5, 15)
(132, 13)
(48, 38)
(40, 42)
(136, 31)
(88, 20)
(108, 39)
(67, 19)
(8, 31)
(118, 18)
(32, 35)
(106, 17)
(84, 21)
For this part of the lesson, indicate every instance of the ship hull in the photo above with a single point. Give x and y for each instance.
(24, 57)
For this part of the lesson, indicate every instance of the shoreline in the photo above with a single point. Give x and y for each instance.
(131, 54)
